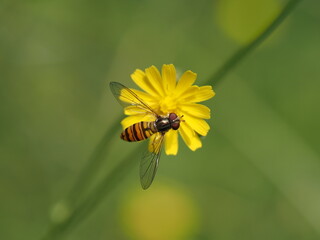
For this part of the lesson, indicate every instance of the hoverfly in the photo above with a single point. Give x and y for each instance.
(143, 130)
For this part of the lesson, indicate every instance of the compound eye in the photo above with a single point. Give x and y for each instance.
(172, 116)
(175, 126)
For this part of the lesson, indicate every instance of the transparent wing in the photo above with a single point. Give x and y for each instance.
(150, 161)
(127, 97)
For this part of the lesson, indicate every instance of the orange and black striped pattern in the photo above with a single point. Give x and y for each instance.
(138, 131)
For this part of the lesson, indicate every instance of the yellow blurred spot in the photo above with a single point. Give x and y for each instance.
(160, 213)
(60, 212)
(243, 20)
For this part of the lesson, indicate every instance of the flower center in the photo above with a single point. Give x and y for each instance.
(168, 104)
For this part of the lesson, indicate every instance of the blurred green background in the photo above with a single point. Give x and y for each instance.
(258, 173)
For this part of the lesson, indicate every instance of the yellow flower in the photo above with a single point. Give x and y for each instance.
(164, 94)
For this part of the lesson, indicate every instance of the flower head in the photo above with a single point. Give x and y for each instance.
(164, 94)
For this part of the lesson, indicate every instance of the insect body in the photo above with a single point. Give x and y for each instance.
(143, 130)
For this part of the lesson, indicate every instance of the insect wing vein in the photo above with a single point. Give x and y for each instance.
(150, 161)
(132, 99)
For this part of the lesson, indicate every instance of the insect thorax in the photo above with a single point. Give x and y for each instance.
(162, 124)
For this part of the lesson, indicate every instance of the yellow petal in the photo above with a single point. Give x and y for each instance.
(128, 121)
(141, 79)
(186, 81)
(171, 142)
(204, 93)
(188, 94)
(169, 77)
(197, 94)
(197, 124)
(155, 79)
(189, 136)
(195, 110)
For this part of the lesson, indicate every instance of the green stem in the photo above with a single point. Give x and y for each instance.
(87, 205)
(89, 171)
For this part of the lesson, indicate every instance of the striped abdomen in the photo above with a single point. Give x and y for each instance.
(138, 131)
